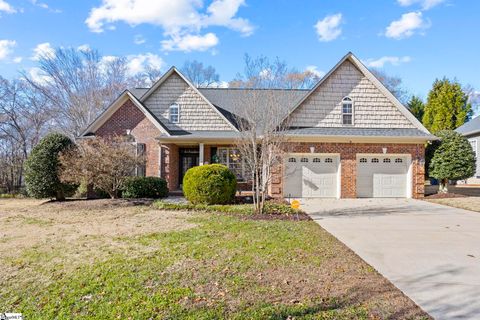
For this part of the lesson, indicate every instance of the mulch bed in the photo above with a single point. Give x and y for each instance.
(445, 196)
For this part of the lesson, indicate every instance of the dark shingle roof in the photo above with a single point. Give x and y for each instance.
(471, 127)
(372, 132)
(138, 92)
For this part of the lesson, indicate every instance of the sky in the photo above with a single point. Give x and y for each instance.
(417, 40)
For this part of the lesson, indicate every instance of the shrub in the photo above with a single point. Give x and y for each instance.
(209, 184)
(43, 165)
(278, 208)
(145, 187)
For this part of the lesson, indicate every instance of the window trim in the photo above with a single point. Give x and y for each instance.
(172, 107)
(228, 150)
(348, 100)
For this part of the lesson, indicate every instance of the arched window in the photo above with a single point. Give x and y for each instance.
(174, 113)
(363, 160)
(328, 160)
(347, 111)
(304, 160)
(292, 160)
(386, 160)
(398, 160)
(374, 160)
(317, 160)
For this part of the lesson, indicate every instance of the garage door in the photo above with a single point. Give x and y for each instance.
(311, 176)
(382, 176)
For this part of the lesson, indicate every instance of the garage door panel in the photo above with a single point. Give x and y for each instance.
(314, 176)
(382, 176)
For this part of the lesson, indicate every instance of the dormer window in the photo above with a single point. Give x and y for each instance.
(174, 113)
(347, 111)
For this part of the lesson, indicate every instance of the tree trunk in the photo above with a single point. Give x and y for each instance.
(443, 186)
(60, 195)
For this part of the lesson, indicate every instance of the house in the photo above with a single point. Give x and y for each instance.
(348, 136)
(471, 130)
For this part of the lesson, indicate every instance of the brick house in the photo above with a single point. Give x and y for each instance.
(348, 136)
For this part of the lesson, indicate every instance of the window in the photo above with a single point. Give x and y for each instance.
(292, 160)
(398, 160)
(386, 160)
(304, 160)
(328, 160)
(140, 170)
(374, 160)
(232, 159)
(317, 160)
(363, 160)
(347, 111)
(473, 143)
(174, 113)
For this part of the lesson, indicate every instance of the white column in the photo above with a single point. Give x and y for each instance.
(202, 154)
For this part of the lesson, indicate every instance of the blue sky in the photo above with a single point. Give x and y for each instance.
(418, 40)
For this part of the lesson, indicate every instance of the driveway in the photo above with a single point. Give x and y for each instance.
(429, 251)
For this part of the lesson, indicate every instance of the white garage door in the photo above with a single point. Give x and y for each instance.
(311, 176)
(382, 176)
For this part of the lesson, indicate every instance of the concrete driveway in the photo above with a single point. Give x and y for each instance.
(429, 251)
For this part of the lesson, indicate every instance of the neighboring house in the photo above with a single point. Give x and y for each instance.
(349, 136)
(471, 130)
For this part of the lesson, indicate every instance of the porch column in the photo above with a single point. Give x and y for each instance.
(201, 151)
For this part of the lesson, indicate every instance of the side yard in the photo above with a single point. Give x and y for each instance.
(130, 260)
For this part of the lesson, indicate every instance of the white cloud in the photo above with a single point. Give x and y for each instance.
(406, 26)
(84, 48)
(181, 20)
(139, 39)
(328, 28)
(425, 4)
(6, 48)
(43, 5)
(6, 7)
(190, 42)
(380, 62)
(314, 70)
(139, 63)
(38, 76)
(43, 50)
(17, 59)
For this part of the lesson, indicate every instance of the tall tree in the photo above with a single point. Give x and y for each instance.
(416, 107)
(392, 83)
(447, 106)
(200, 75)
(78, 85)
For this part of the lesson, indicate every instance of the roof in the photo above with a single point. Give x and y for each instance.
(361, 132)
(470, 128)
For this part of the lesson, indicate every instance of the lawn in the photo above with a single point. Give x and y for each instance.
(469, 203)
(107, 259)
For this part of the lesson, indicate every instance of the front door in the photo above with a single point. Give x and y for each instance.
(189, 157)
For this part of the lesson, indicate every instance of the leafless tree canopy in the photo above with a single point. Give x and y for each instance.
(261, 72)
(78, 85)
(393, 84)
(200, 75)
(23, 121)
(102, 163)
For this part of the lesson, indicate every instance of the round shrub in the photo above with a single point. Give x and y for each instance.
(42, 168)
(145, 187)
(209, 184)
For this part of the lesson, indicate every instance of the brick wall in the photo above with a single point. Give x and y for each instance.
(129, 117)
(348, 155)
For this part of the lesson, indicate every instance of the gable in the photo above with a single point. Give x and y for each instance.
(196, 113)
(372, 108)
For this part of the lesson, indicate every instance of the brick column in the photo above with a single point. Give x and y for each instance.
(348, 176)
(170, 163)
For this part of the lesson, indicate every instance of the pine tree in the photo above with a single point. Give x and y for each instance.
(416, 107)
(447, 106)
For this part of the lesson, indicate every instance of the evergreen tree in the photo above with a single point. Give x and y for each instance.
(453, 158)
(447, 106)
(416, 107)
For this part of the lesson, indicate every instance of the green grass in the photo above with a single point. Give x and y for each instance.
(203, 273)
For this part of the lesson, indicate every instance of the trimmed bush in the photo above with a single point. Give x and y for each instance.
(209, 184)
(145, 187)
(42, 168)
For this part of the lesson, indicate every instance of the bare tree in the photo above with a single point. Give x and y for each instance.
(104, 164)
(200, 75)
(78, 85)
(393, 84)
(263, 73)
(261, 117)
(23, 121)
